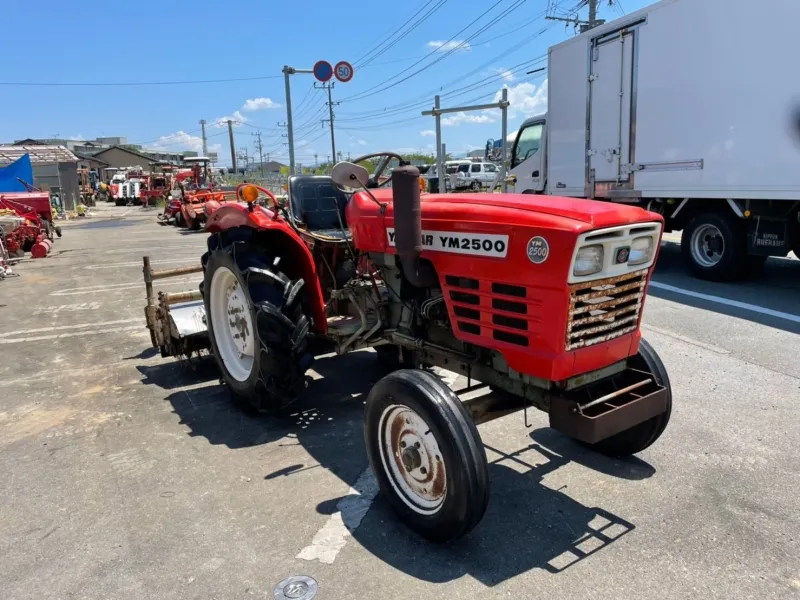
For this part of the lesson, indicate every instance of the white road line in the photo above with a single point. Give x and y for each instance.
(686, 339)
(138, 263)
(57, 336)
(118, 287)
(65, 327)
(149, 248)
(351, 510)
(727, 302)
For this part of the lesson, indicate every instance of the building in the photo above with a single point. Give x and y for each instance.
(120, 157)
(55, 169)
(87, 148)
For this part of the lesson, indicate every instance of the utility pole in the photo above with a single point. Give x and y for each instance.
(258, 145)
(591, 23)
(205, 140)
(233, 148)
(329, 87)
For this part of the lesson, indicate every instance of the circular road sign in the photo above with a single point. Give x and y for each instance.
(323, 71)
(343, 71)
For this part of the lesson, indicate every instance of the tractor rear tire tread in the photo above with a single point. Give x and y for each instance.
(278, 375)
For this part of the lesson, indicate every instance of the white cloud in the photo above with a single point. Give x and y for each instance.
(526, 98)
(181, 141)
(463, 117)
(455, 45)
(259, 104)
(427, 133)
(361, 142)
(505, 74)
(77, 138)
(237, 117)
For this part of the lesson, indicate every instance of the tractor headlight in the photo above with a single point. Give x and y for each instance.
(642, 249)
(588, 261)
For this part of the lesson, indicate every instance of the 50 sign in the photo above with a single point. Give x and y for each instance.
(343, 71)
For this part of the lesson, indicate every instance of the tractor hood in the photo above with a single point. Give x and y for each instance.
(593, 213)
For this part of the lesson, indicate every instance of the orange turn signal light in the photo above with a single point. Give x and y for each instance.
(250, 193)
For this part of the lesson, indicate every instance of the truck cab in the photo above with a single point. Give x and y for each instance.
(529, 157)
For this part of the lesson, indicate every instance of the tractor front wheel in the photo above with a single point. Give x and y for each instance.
(257, 328)
(426, 454)
(640, 436)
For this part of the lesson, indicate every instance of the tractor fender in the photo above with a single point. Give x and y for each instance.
(274, 233)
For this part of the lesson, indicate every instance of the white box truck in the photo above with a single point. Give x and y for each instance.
(687, 108)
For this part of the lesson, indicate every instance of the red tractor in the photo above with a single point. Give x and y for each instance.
(157, 184)
(538, 298)
(196, 189)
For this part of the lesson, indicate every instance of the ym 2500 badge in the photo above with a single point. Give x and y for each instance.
(477, 244)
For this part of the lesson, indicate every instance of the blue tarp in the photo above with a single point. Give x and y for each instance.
(19, 168)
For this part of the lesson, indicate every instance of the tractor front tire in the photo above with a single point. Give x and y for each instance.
(426, 454)
(195, 224)
(639, 437)
(179, 222)
(257, 328)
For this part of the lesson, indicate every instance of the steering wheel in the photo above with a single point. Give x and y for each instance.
(375, 182)
(261, 190)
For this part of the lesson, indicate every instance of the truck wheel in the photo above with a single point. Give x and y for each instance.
(641, 436)
(714, 247)
(426, 454)
(257, 329)
(476, 186)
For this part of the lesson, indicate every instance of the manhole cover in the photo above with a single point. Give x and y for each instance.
(297, 587)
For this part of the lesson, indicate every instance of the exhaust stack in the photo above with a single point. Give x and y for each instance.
(408, 227)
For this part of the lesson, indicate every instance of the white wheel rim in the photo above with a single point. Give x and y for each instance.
(232, 324)
(707, 245)
(412, 460)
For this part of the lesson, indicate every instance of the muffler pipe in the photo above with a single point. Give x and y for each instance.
(408, 227)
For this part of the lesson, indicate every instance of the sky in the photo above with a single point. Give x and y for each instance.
(403, 54)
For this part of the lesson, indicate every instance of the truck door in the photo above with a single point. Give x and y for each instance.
(611, 87)
(527, 158)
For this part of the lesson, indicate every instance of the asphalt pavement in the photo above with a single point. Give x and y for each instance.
(125, 476)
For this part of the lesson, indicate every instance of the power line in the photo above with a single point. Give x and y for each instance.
(422, 19)
(133, 83)
(366, 93)
(383, 38)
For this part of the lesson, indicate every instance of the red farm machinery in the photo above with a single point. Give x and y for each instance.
(538, 298)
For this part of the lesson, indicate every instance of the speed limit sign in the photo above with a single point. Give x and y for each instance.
(343, 71)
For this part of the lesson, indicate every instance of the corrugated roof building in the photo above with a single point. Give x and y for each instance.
(55, 169)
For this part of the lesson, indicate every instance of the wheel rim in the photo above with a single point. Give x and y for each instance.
(232, 323)
(412, 460)
(708, 245)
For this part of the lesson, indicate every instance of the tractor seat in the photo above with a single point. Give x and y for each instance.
(317, 203)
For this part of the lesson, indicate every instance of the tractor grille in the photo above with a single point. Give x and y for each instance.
(503, 311)
(604, 309)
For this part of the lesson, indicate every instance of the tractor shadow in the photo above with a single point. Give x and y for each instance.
(326, 420)
(528, 525)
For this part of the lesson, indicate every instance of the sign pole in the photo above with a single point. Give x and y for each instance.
(286, 72)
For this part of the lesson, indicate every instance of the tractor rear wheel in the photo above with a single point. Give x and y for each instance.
(640, 436)
(426, 454)
(257, 328)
